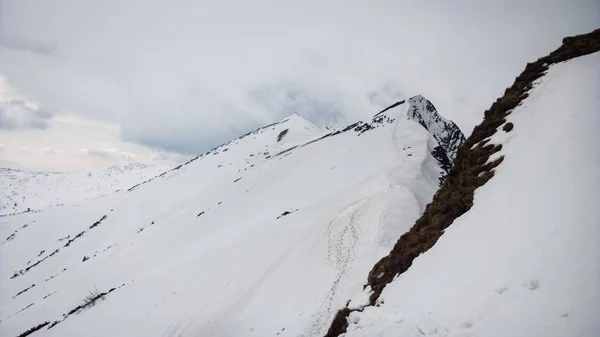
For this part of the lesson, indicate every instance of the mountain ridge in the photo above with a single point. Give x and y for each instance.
(445, 132)
(260, 204)
(475, 164)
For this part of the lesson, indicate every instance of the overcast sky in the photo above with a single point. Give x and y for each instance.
(85, 84)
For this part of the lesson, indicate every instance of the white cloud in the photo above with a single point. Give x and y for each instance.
(212, 70)
(162, 156)
(17, 114)
(109, 153)
(49, 150)
(53, 151)
(25, 151)
(82, 144)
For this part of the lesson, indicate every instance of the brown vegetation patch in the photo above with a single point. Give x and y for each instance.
(34, 329)
(22, 291)
(339, 323)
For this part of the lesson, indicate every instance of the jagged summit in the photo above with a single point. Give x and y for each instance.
(445, 132)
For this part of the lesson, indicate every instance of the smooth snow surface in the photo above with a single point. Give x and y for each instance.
(257, 237)
(524, 261)
(23, 189)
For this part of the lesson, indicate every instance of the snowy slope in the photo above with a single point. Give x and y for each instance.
(524, 260)
(266, 235)
(23, 189)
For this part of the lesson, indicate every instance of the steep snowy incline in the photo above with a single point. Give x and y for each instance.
(523, 261)
(266, 235)
(21, 190)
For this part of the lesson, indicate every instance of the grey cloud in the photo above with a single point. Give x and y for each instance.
(192, 140)
(206, 73)
(192, 125)
(183, 143)
(25, 151)
(284, 100)
(388, 94)
(15, 114)
(182, 134)
(23, 45)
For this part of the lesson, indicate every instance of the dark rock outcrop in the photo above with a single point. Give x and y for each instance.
(447, 134)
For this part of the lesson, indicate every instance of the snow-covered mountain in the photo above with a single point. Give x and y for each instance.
(270, 234)
(267, 234)
(22, 190)
(520, 255)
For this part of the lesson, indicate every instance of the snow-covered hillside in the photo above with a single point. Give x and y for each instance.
(266, 235)
(524, 261)
(21, 190)
(273, 232)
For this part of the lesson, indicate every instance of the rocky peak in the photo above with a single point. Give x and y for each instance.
(446, 132)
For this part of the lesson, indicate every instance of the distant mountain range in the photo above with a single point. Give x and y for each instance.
(22, 189)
